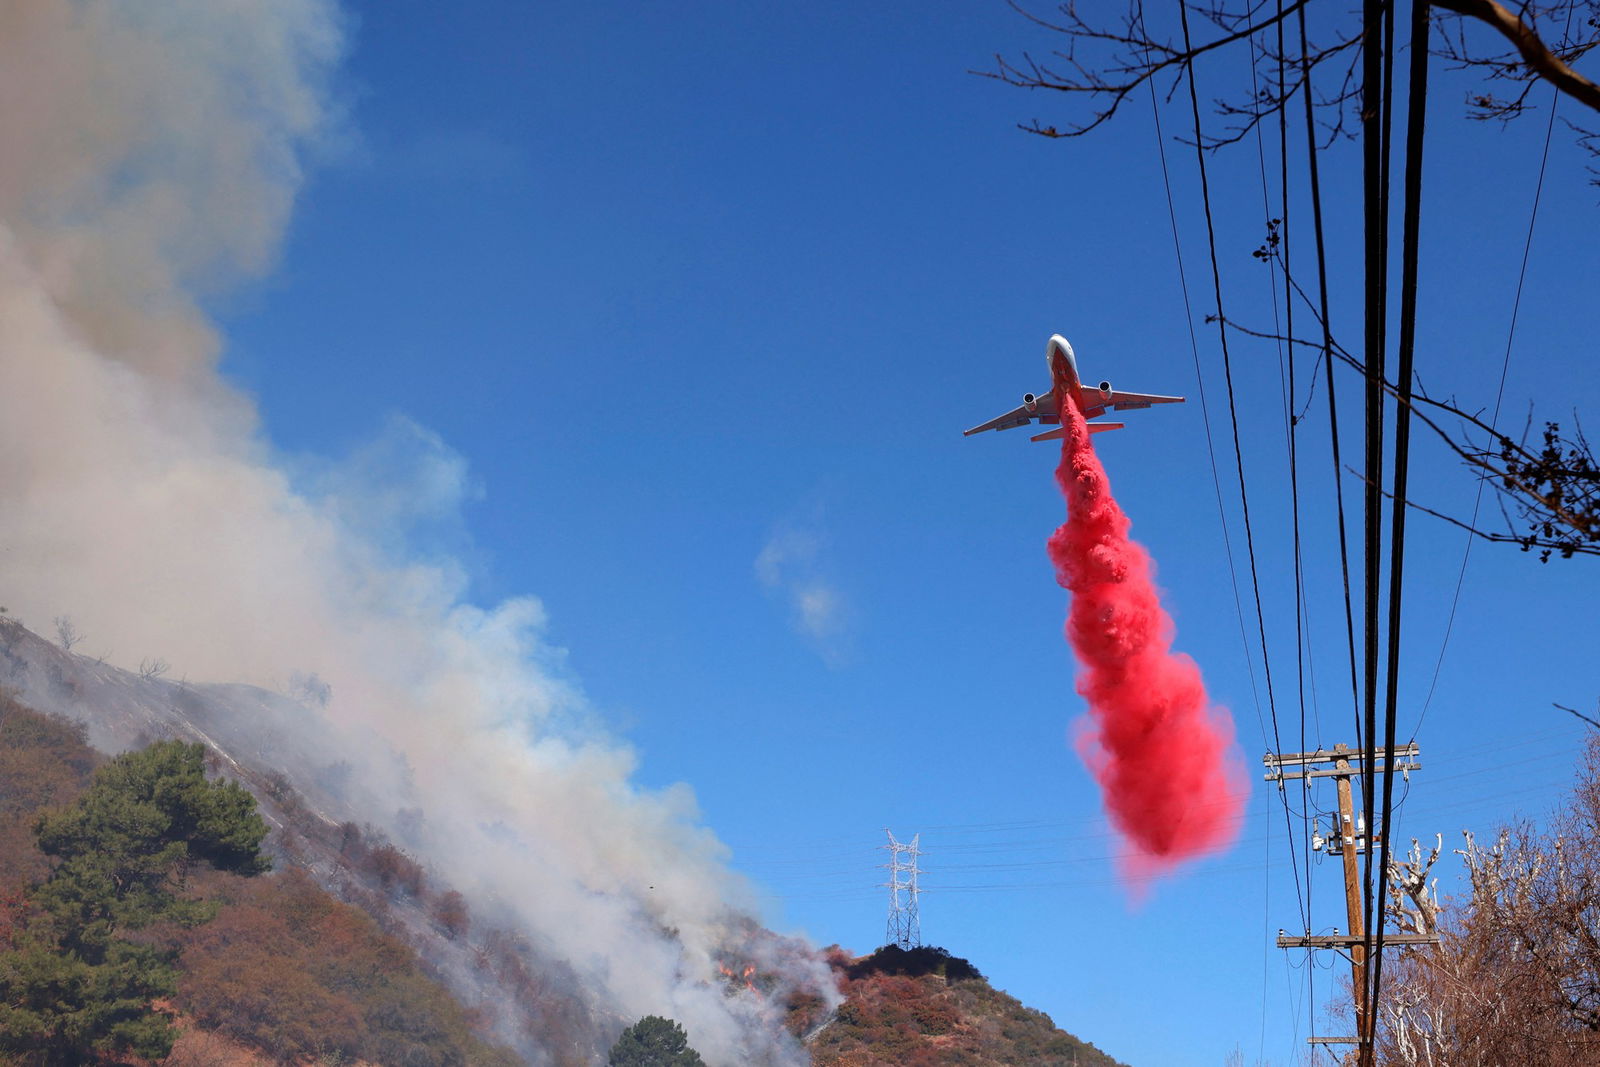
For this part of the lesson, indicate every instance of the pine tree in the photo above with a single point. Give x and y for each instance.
(72, 987)
(654, 1042)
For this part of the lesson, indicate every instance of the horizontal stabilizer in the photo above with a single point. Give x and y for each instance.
(1061, 431)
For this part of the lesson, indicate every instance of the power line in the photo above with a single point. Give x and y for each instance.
(1326, 358)
(1499, 395)
(1410, 239)
(1205, 413)
(1291, 431)
(1377, 55)
(1233, 414)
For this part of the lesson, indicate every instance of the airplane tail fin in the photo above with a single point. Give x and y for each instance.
(1061, 431)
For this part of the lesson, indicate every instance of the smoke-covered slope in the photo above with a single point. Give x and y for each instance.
(904, 1009)
(150, 164)
(484, 949)
(277, 971)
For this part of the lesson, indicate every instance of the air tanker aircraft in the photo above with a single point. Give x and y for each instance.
(1091, 400)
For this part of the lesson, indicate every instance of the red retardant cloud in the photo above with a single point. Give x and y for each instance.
(1159, 749)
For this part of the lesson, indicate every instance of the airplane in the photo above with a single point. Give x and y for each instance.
(1091, 400)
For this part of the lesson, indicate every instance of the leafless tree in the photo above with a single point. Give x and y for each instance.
(67, 632)
(203, 1048)
(152, 667)
(1413, 900)
(1515, 977)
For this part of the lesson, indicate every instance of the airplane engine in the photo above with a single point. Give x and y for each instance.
(1030, 401)
(1105, 390)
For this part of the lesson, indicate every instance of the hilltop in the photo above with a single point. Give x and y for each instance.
(924, 1007)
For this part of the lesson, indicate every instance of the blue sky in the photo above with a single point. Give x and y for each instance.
(703, 298)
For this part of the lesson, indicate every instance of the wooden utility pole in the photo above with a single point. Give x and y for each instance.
(1348, 844)
(1349, 840)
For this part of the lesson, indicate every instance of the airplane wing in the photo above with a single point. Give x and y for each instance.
(1121, 401)
(1044, 410)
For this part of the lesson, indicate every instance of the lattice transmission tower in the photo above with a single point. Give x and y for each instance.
(905, 928)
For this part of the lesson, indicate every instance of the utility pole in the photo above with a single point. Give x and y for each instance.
(1348, 840)
(905, 927)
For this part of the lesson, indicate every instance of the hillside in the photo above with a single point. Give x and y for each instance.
(313, 791)
(281, 969)
(279, 749)
(356, 948)
(927, 1008)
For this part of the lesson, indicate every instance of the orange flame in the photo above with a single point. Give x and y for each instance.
(748, 974)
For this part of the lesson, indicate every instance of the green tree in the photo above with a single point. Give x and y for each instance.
(654, 1042)
(58, 1009)
(72, 986)
(124, 850)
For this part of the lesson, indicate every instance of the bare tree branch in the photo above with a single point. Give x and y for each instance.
(1103, 60)
(1136, 58)
(67, 632)
(1535, 53)
(1413, 901)
(1555, 491)
(1592, 722)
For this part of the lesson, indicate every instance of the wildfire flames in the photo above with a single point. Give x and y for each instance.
(747, 975)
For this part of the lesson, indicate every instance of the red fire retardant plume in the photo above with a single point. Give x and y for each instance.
(1160, 751)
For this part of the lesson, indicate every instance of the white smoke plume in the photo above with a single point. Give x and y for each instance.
(793, 563)
(147, 153)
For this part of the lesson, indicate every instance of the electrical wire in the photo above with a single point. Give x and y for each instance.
(1377, 56)
(1410, 240)
(1227, 369)
(1286, 373)
(1326, 358)
(1499, 396)
(1205, 414)
(1216, 481)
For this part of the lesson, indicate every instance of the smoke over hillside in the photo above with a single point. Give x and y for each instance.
(148, 152)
